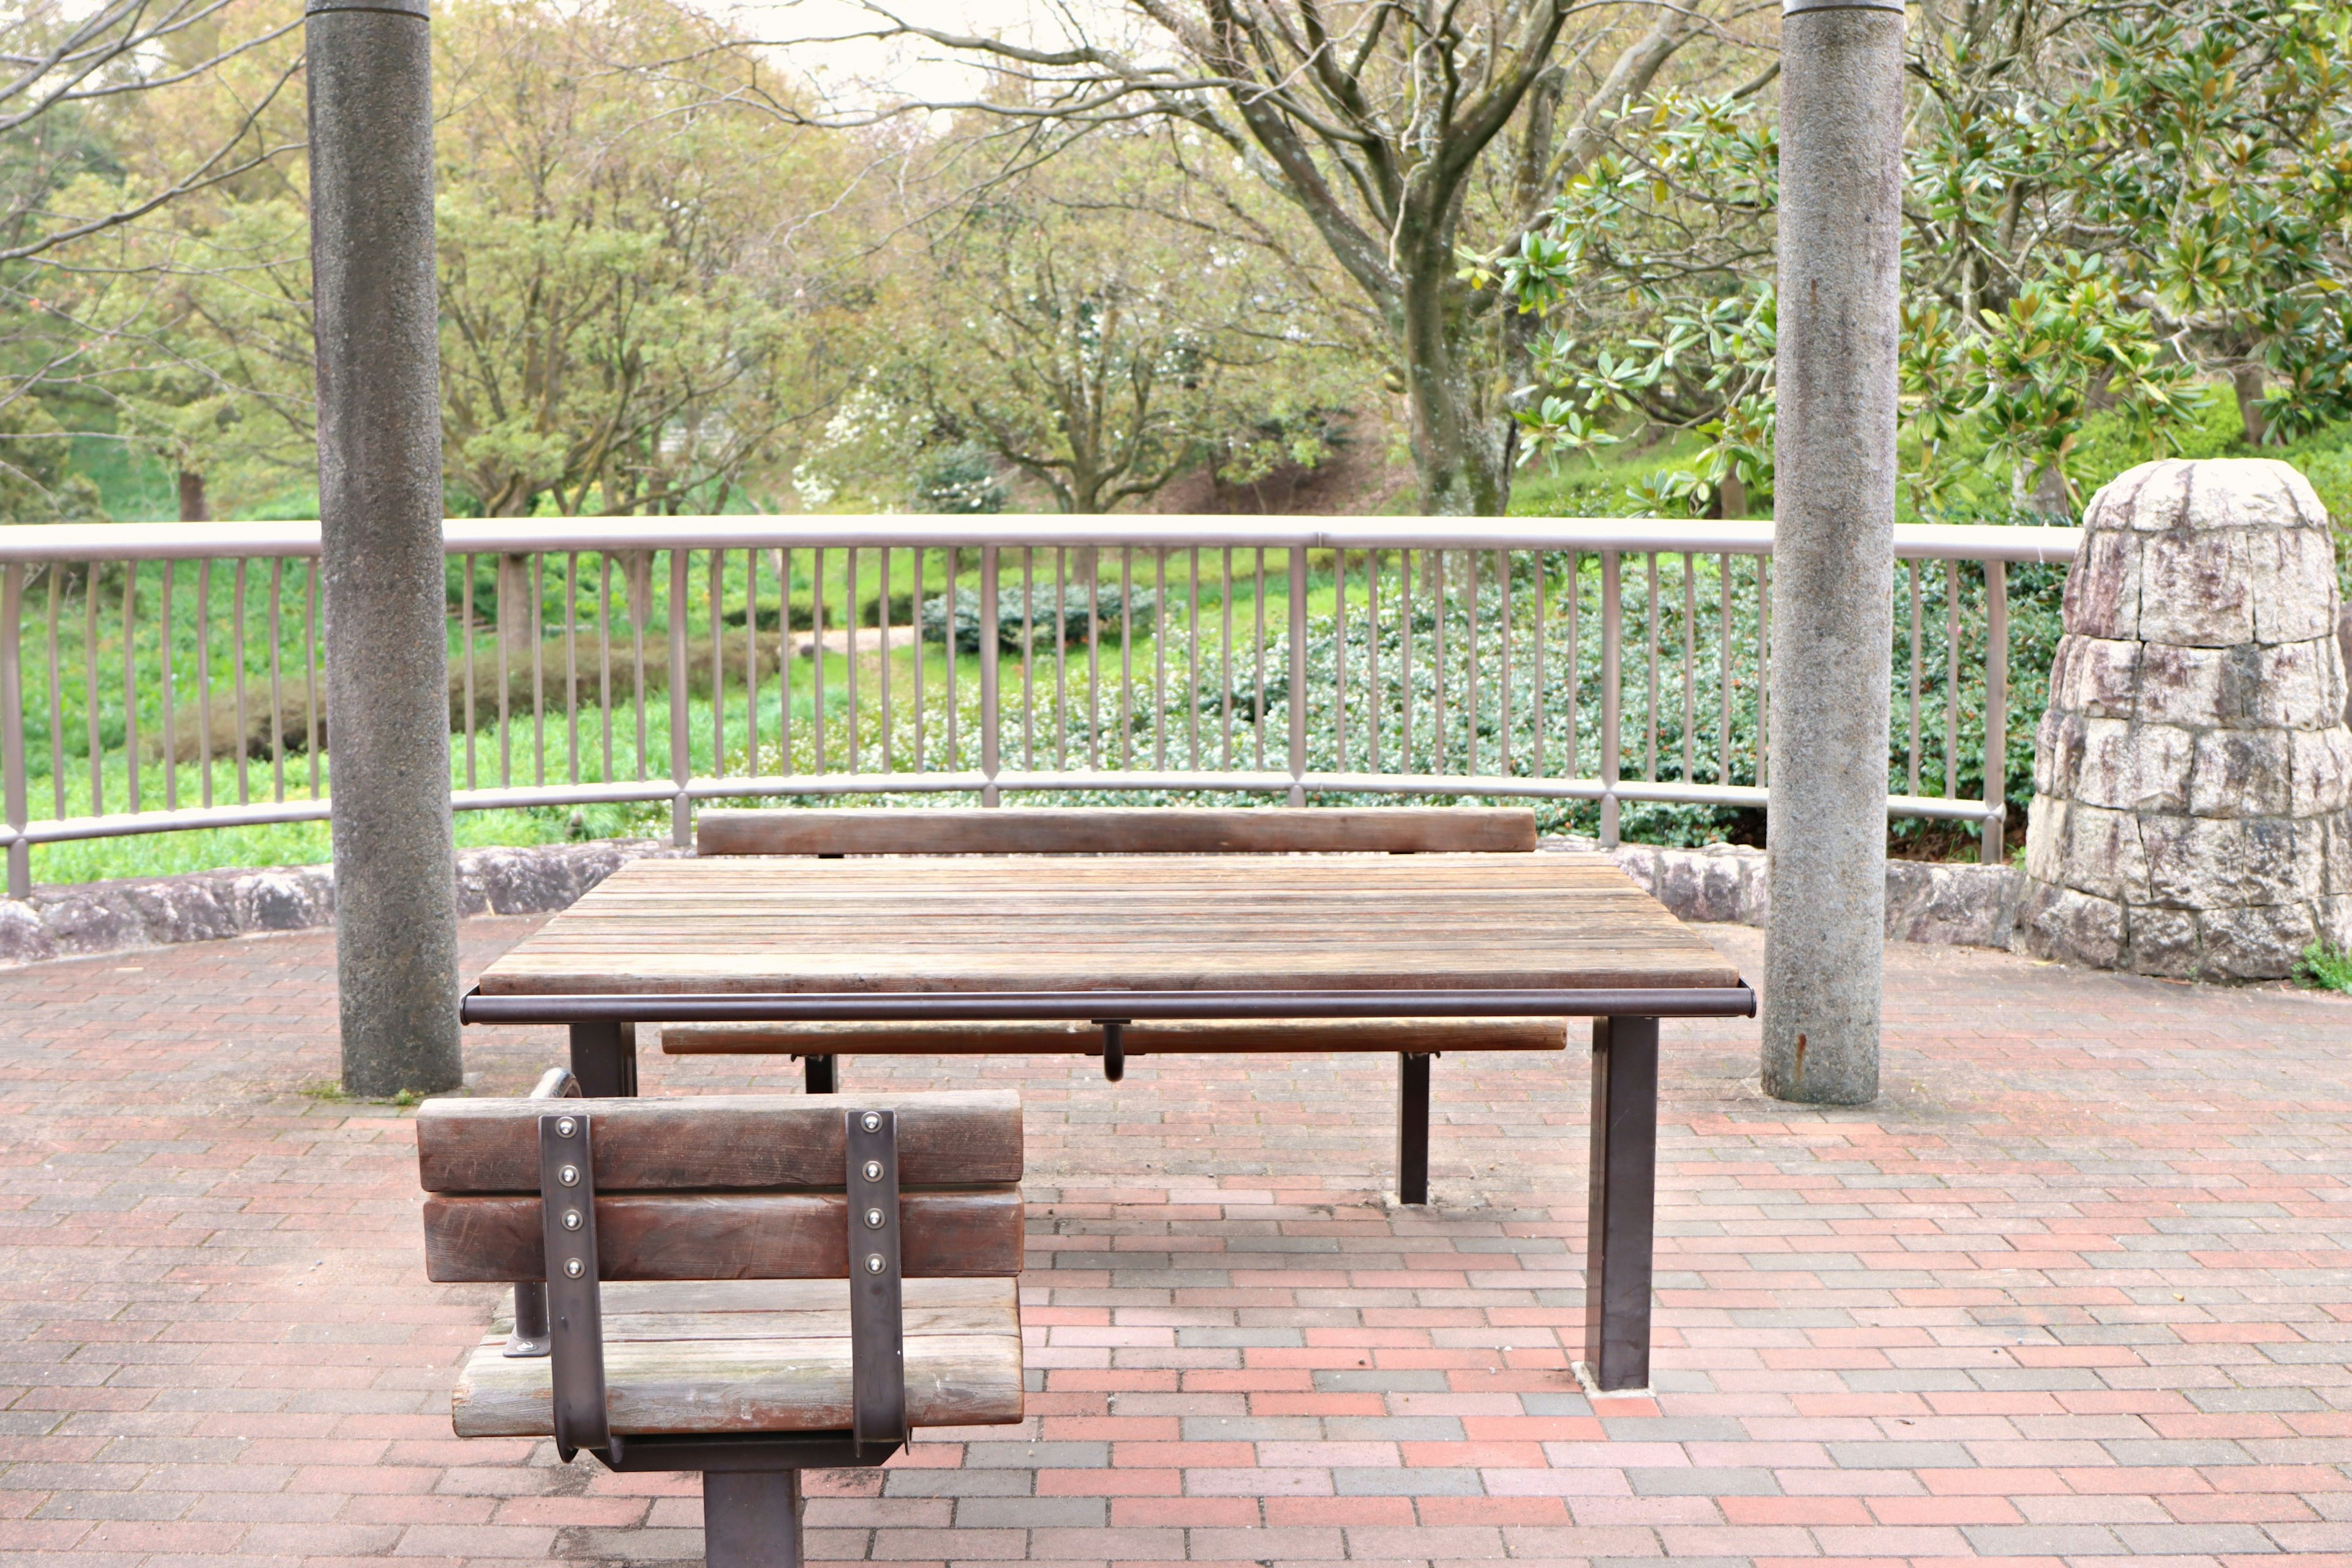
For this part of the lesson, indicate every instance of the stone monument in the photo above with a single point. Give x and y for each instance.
(2192, 809)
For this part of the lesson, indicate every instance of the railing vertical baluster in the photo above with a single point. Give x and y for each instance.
(1503, 728)
(852, 615)
(1257, 701)
(1126, 653)
(1650, 641)
(571, 664)
(915, 614)
(537, 577)
(171, 717)
(1996, 710)
(784, 662)
(1442, 743)
(1298, 674)
(1724, 680)
(1225, 682)
(465, 630)
(1404, 654)
(130, 684)
(1575, 653)
(1951, 680)
(1061, 656)
(1375, 709)
(1470, 664)
(1161, 620)
(991, 675)
(277, 683)
(1690, 660)
(1763, 671)
(751, 662)
(504, 613)
(1092, 557)
(1612, 704)
(205, 678)
(1028, 656)
(681, 752)
(816, 659)
(1339, 658)
(1913, 758)
(315, 746)
(882, 618)
(12, 728)
(1543, 649)
(714, 595)
(604, 662)
(1193, 658)
(640, 569)
(236, 667)
(57, 691)
(90, 685)
(947, 656)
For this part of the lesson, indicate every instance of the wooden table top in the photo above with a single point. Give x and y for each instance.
(977, 925)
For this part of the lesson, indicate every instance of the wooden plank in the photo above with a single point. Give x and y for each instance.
(677, 1365)
(1119, 830)
(720, 1142)
(725, 1236)
(979, 924)
(1143, 1038)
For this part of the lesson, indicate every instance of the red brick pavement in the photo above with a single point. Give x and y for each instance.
(2079, 1290)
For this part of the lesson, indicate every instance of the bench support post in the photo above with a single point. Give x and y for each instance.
(819, 1075)
(604, 1059)
(1413, 1128)
(751, 1518)
(1624, 1202)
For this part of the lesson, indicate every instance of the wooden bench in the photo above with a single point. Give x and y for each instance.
(747, 1286)
(1149, 830)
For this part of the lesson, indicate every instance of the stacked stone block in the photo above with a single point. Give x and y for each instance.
(2192, 812)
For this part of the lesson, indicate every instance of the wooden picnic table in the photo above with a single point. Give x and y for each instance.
(1114, 939)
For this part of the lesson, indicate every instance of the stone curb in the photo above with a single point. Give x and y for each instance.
(1960, 906)
(1951, 905)
(92, 918)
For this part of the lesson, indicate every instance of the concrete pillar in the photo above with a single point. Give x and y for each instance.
(379, 510)
(1833, 555)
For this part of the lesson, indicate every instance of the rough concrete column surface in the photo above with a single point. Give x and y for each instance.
(1833, 548)
(2192, 807)
(379, 509)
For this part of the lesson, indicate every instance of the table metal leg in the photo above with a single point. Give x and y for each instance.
(751, 1518)
(819, 1075)
(1623, 1191)
(1413, 1128)
(604, 1059)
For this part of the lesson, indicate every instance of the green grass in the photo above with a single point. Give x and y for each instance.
(2325, 968)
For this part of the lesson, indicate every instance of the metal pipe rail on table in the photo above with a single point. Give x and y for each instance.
(165, 678)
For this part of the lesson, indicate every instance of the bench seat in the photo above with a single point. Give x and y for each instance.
(1211, 1036)
(733, 1355)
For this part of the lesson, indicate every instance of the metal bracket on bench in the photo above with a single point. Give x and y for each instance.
(877, 1324)
(529, 1338)
(1114, 1047)
(567, 1194)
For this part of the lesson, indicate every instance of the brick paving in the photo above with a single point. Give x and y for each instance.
(2078, 1291)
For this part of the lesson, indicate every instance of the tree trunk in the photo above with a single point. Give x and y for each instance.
(1457, 457)
(1833, 547)
(194, 505)
(1731, 496)
(2248, 380)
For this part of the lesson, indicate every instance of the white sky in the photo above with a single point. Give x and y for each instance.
(860, 70)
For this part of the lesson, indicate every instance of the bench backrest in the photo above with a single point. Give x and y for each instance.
(723, 1186)
(1119, 830)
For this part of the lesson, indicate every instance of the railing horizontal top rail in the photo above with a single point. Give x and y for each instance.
(474, 535)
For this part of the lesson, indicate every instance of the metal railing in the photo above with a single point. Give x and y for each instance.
(166, 677)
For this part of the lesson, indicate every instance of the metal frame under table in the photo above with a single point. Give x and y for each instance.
(791, 941)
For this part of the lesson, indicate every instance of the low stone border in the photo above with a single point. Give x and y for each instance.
(1961, 906)
(89, 919)
(1953, 905)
